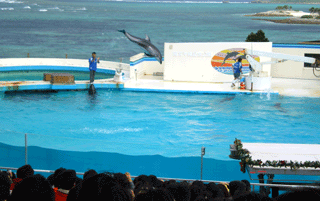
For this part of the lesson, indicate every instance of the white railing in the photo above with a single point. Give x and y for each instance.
(61, 62)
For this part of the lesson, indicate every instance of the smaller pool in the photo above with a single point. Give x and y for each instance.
(32, 75)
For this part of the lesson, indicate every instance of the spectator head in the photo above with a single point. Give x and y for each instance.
(301, 194)
(237, 188)
(239, 59)
(78, 181)
(56, 174)
(179, 191)
(66, 179)
(248, 186)
(141, 178)
(74, 192)
(155, 182)
(217, 193)
(25, 171)
(252, 196)
(122, 180)
(225, 189)
(89, 174)
(166, 183)
(103, 187)
(4, 186)
(51, 179)
(197, 189)
(210, 186)
(205, 196)
(154, 194)
(198, 183)
(35, 188)
(141, 187)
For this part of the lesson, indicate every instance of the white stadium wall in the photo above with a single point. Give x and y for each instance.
(192, 61)
(141, 65)
(292, 69)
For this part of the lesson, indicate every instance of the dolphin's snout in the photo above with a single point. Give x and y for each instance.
(159, 58)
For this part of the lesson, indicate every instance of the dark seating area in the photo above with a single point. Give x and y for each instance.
(65, 185)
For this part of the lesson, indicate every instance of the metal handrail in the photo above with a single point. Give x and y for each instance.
(190, 180)
(247, 169)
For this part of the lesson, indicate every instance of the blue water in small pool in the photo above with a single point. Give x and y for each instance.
(134, 124)
(31, 75)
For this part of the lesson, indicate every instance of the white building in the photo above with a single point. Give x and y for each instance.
(204, 62)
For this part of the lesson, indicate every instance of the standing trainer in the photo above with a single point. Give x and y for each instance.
(237, 70)
(93, 66)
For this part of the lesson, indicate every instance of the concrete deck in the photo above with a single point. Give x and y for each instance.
(151, 83)
(147, 83)
(296, 87)
(281, 86)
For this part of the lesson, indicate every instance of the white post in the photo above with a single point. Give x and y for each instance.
(26, 148)
(136, 74)
(203, 150)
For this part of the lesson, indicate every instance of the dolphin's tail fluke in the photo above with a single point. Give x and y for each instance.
(122, 31)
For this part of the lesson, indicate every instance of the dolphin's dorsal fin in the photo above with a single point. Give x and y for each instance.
(147, 38)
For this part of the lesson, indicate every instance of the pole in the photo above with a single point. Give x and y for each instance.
(26, 148)
(201, 166)
(203, 150)
(120, 67)
(251, 82)
(136, 74)
(66, 56)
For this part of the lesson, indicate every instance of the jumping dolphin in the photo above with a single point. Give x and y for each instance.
(92, 89)
(146, 44)
(232, 54)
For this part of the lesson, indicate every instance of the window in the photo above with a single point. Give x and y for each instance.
(316, 56)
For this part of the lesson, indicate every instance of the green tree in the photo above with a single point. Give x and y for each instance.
(257, 37)
(311, 10)
(279, 8)
(285, 7)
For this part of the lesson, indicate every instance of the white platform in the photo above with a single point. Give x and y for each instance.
(259, 83)
(294, 152)
(288, 152)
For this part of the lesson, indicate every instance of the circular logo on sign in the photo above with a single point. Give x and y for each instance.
(224, 59)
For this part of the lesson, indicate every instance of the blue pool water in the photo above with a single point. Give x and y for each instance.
(32, 75)
(156, 133)
(167, 124)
